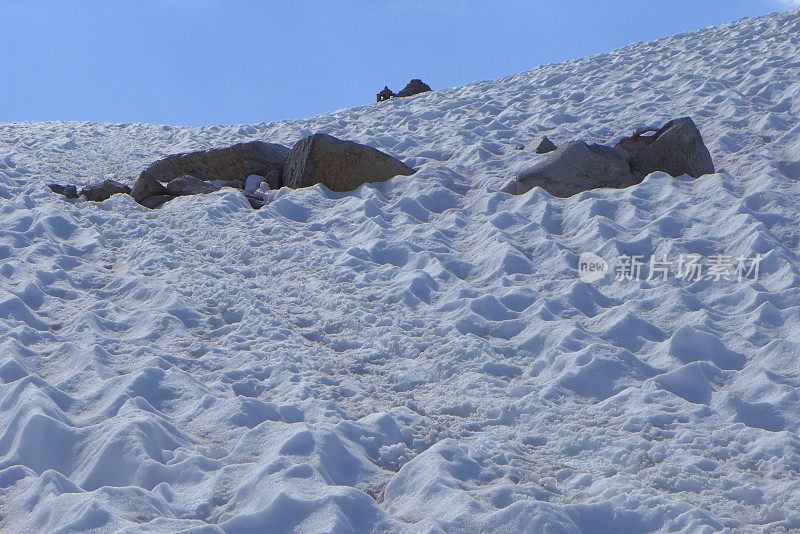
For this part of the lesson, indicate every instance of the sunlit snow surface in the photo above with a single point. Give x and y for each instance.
(418, 355)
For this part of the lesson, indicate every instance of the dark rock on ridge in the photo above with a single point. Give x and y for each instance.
(414, 87)
(385, 94)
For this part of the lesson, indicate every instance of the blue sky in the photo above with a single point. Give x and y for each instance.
(196, 62)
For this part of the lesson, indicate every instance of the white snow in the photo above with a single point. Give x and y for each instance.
(253, 183)
(418, 355)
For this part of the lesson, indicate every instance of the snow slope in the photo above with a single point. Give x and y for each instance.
(418, 355)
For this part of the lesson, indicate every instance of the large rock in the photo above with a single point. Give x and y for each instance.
(677, 148)
(104, 190)
(339, 165)
(576, 167)
(189, 185)
(231, 164)
(414, 87)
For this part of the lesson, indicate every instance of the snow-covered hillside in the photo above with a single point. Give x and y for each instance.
(418, 355)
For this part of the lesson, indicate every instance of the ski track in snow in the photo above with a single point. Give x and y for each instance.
(417, 355)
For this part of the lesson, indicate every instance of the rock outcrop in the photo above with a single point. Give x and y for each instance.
(576, 167)
(676, 148)
(414, 87)
(338, 165)
(385, 94)
(231, 164)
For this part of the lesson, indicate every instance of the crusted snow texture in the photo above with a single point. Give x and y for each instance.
(418, 355)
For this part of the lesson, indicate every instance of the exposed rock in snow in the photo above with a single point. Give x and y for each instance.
(338, 165)
(385, 94)
(147, 187)
(577, 167)
(189, 185)
(414, 87)
(274, 179)
(677, 148)
(104, 190)
(69, 191)
(232, 164)
(541, 145)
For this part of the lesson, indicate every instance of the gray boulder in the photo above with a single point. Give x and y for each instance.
(339, 165)
(414, 87)
(577, 167)
(677, 148)
(189, 185)
(231, 164)
(540, 145)
(104, 190)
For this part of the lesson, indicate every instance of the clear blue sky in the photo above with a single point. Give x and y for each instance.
(197, 62)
